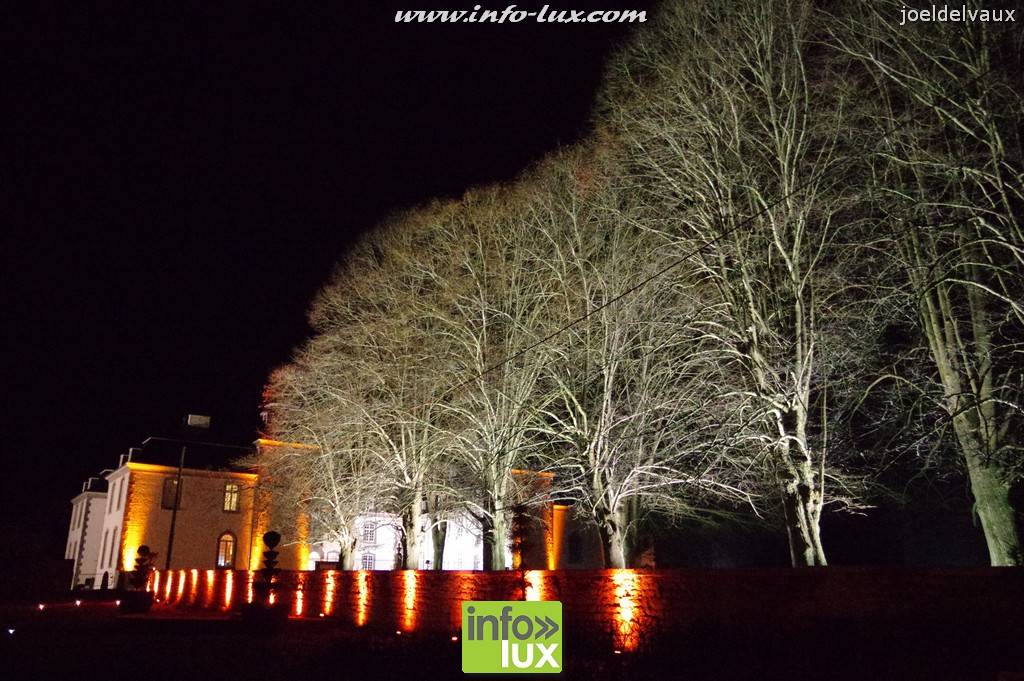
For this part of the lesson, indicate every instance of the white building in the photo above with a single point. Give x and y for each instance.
(85, 532)
(377, 544)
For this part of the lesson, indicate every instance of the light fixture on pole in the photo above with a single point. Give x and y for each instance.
(197, 421)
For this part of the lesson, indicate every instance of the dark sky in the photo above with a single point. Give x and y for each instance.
(178, 184)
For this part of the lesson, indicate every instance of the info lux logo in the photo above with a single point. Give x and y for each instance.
(511, 637)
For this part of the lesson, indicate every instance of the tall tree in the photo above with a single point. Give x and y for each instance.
(628, 390)
(948, 188)
(735, 137)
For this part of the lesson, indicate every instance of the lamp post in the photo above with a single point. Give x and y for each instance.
(191, 421)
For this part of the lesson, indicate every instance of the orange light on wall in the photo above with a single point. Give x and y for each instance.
(556, 535)
(193, 590)
(626, 590)
(167, 587)
(300, 601)
(248, 586)
(208, 594)
(363, 597)
(260, 501)
(141, 501)
(181, 586)
(155, 582)
(302, 550)
(536, 586)
(330, 588)
(409, 583)
(229, 588)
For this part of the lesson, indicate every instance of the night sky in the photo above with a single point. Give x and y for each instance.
(180, 183)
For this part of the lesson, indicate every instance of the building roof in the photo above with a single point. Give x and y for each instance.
(211, 456)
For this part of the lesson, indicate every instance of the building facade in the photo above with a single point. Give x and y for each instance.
(211, 514)
(85, 531)
(212, 526)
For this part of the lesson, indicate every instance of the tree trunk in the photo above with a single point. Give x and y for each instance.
(499, 544)
(802, 528)
(487, 534)
(439, 533)
(495, 535)
(495, 538)
(614, 528)
(410, 543)
(992, 504)
(347, 548)
(801, 508)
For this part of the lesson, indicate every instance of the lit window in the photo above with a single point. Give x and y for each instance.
(369, 533)
(332, 556)
(170, 490)
(226, 551)
(368, 561)
(231, 497)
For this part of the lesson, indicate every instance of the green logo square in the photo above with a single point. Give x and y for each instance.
(511, 637)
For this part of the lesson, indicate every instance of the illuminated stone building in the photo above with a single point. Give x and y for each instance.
(222, 514)
(134, 506)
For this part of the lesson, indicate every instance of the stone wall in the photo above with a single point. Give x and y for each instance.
(627, 609)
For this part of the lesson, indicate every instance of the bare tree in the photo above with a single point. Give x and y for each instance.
(735, 139)
(948, 187)
(493, 309)
(628, 391)
(320, 479)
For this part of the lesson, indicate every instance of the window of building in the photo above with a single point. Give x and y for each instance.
(103, 547)
(226, 550)
(113, 548)
(369, 533)
(231, 497)
(170, 489)
(333, 556)
(120, 499)
(369, 560)
(110, 499)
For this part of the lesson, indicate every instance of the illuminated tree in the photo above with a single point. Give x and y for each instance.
(947, 188)
(734, 137)
(634, 419)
